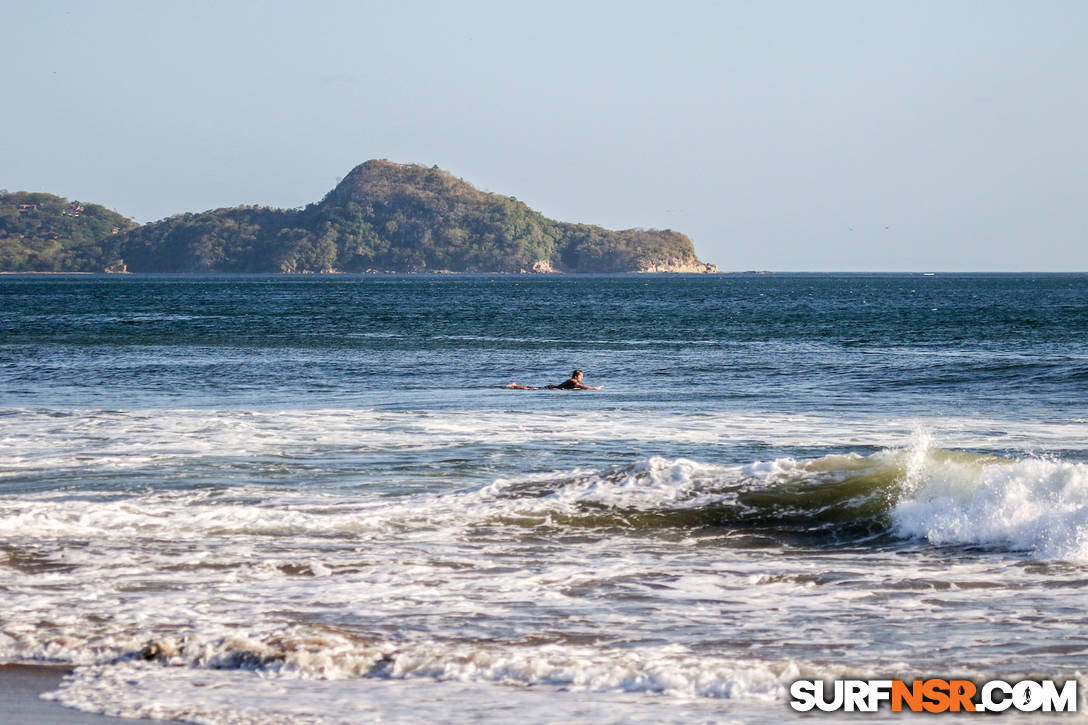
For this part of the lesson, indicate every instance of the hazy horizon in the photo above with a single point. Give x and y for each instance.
(783, 136)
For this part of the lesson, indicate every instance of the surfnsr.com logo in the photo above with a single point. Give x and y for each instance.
(934, 695)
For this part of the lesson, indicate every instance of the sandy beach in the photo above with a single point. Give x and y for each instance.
(21, 687)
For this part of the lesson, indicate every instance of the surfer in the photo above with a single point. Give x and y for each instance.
(574, 382)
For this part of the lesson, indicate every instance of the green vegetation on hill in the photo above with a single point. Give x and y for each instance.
(387, 217)
(45, 233)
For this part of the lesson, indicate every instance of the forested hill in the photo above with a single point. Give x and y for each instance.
(389, 217)
(46, 233)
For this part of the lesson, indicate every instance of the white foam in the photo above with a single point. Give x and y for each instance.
(164, 441)
(491, 693)
(651, 484)
(184, 516)
(1034, 505)
(340, 584)
(145, 689)
(1029, 504)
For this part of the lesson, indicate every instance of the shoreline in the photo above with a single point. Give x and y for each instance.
(21, 688)
(388, 273)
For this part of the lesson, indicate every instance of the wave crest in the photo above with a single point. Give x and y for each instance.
(1032, 505)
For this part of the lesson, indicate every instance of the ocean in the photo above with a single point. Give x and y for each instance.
(309, 499)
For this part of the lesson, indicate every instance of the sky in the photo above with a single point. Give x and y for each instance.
(809, 135)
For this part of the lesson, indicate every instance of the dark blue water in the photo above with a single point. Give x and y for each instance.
(900, 343)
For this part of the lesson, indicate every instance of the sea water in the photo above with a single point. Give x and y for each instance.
(266, 499)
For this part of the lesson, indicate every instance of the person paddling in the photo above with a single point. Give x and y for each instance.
(574, 382)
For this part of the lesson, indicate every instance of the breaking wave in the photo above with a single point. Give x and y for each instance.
(1037, 506)
(207, 558)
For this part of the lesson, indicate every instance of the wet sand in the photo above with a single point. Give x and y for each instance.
(20, 698)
